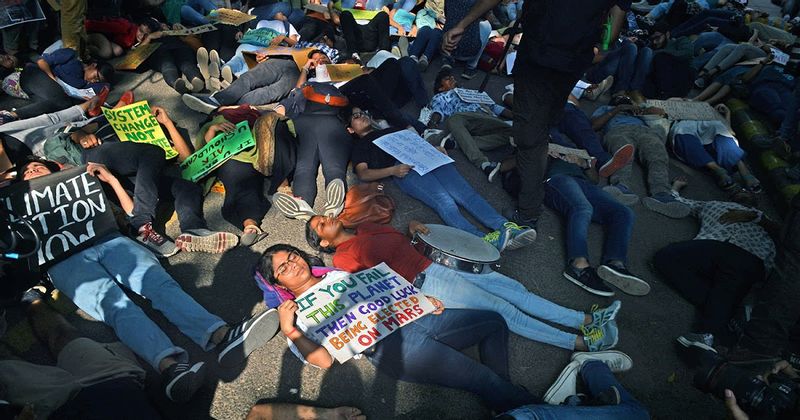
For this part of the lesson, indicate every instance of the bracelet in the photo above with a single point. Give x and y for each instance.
(291, 332)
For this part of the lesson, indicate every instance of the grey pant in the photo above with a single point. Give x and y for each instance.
(728, 55)
(767, 32)
(474, 132)
(265, 83)
(34, 131)
(650, 151)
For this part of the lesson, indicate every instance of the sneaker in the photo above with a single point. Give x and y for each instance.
(182, 380)
(622, 194)
(619, 277)
(599, 89)
(564, 386)
(519, 236)
(516, 217)
(182, 86)
(700, 82)
(422, 64)
(431, 133)
(588, 280)
(204, 104)
(664, 203)
(156, 243)
(227, 74)
(603, 338)
(616, 361)
(7, 117)
(704, 341)
(38, 292)
(213, 65)
(247, 336)
(197, 84)
(402, 45)
(622, 157)
(396, 51)
(601, 317)
(469, 73)
(498, 239)
(202, 62)
(491, 169)
(293, 207)
(448, 143)
(204, 240)
(335, 194)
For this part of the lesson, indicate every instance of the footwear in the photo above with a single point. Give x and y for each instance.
(156, 243)
(565, 385)
(622, 157)
(97, 102)
(700, 82)
(752, 183)
(227, 74)
(202, 62)
(616, 360)
(396, 51)
(498, 239)
(201, 103)
(724, 180)
(664, 203)
(603, 338)
(430, 133)
(587, 279)
(519, 236)
(622, 279)
(247, 336)
(35, 293)
(334, 198)
(182, 380)
(516, 217)
(293, 207)
(125, 100)
(491, 169)
(637, 97)
(704, 341)
(204, 240)
(469, 73)
(448, 143)
(252, 234)
(213, 65)
(197, 84)
(422, 64)
(622, 194)
(214, 85)
(182, 86)
(599, 89)
(601, 317)
(402, 45)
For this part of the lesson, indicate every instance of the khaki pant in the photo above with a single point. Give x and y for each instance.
(650, 151)
(73, 29)
(475, 132)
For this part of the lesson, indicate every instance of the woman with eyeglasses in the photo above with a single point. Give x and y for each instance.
(427, 350)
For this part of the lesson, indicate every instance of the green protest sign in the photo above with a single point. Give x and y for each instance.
(216, 152)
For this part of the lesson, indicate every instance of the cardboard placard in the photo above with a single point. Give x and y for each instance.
(216, 152)
(338, 72)
(231, 17)
(135, 57)
(68, 210)
(349, 315)
(474, 97)
(568, 154)
(686, 110)
(136, 123)
(208, 27)
(20, 11)
(409, 148)
(299, 55)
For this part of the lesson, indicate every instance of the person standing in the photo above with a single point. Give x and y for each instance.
(555, 51)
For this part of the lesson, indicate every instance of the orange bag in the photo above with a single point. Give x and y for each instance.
(367, 203)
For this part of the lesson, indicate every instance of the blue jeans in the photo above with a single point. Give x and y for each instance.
(788, 128)
(427, 43)
(577, 126)
(268, 12)
(581, 203)
(598, 378)
(94, 278)
(506, 296)
(771, 99)
(444, 189)
(429, 351)
(664, 7)
(725, 151)
(194, 12)
(627, 63)
(236, 63)
(697, 24)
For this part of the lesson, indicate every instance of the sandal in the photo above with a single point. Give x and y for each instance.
(752, 183)
(252, 234)
(724, 180)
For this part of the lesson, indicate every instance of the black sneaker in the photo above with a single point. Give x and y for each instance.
(182, 380)
(514, 216)
(245, 337)
(587, 279)
(38, 292)
(469, 73)
(622, 279)
(491, 170)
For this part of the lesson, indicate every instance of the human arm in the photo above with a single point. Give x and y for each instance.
(617, 19)
(310, 64)
(453, 36)
(600, 121)
(223, 127)
(102, 173)
(311, 351)
(45, 67)
(401, 31)
(366, 174)
(178, 142)
(415, 227)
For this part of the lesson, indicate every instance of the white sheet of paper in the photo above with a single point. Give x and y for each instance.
(510, 59)
(474, 97)
(780, 57)
(75, 92)
(409, 148)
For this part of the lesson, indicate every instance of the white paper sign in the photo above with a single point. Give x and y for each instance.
(409, 148)
(779, 57)
(474, 97)
(510, 59)
(75, 92)
(686, 110)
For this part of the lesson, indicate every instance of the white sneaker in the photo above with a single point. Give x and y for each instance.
(565, 385)
(617, 361)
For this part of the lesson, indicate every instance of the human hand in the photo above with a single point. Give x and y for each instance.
(101, 172)
(238, 35)
(161, 115)
(738, 216)
(415, 227)
(401, 32)
(451, 39)
(401, 170)
(735, 411)
(88, 141)
(598, 56)
(224, 127)
(442, 149)
(786, 368)
(286, 315)
(437, 304)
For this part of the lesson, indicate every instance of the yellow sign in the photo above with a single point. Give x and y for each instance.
(231, 17)
(299, 55)
(135, 57)
(338, 72)
(136, 123)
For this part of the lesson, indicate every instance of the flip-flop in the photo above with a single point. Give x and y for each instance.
(334, 198)
(752, 183)
(293, 207)
(252, 235)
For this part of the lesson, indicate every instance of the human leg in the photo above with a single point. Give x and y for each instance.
(265, 83)
(564, 195)
(723, 52)
(739, 53)
(375, 34)
(466, 196)
(474, 132)
(188, 198)
(99, 46)
(727, 151)
(653, 156)
(625, 69)
(617, 219)
(412, 83)
(614, 139)
(351, 32)
(689, 149)
(644, 59)
(73, 30)
(484, 30)
(243, 193)
(46, 95)
(577, 126)
(788, 127)
(306, 168)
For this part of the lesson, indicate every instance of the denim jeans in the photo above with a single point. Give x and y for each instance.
(506, 296)
(788, 128)
(427, 43)
(444, 189)
(265, 83)
(268, 12)
(194, 12)
(627, 63)
(725, 151)
(46, 95)
(728, 55)
(237, 64)
(94, 278)
(662, 9)
(772, 99)
(577, 126)
(35, 130)
(581, 203)
(429, 351)
(187, 197)
(698, 23)
(598, 378)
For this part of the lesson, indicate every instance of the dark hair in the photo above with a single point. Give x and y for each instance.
(437, 82)
(312, 52)
(151, 23)
(106, 71)
(744, 197)
(52, 166)
(314, 240)
(264, 265)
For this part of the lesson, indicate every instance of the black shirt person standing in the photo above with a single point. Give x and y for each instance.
(556, 49)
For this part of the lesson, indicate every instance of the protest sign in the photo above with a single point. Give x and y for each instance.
(474, 97)
(686, 110)
(511, 58)
(779, 57)
(299, 55)
(68, 210)
(337, 72)
(15, 12)
(231, 16)
(136, 123)
(349, 315)
(135, 57)
(568, 154)
(216, 152)
(208, 27)
(409, 148)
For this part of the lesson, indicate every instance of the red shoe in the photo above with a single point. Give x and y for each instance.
(125, 100)
(97, 102)
(621, 157)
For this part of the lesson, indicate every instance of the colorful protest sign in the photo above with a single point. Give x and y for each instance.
(231, 17)
(411, 149)
(474, 97)
(20, 11)
(686, 110)
(348, 315)
(208, 27)
(68, 210)
(135, 57)
(338, 72)
(216, 152)
(136, 123)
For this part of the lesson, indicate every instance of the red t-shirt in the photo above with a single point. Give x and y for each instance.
(375, 244)
(118, 30)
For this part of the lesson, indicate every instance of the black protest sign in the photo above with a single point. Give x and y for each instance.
(68, 210)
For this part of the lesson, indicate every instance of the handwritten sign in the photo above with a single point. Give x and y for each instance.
(231, 17)
(208, 27)
(338, 72)
(68, 210)
(409, 148)
(216, 152)
(20, 11)
(135, 57)
(779, 56)
(474, 97)
(686, 110)
(136, 123)
(348, 315)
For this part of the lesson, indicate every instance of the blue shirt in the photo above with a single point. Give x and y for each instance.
(65, 65)
(620, 119)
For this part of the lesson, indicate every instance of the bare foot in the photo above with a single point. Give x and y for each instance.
(345, 413)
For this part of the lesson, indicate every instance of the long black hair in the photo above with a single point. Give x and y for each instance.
(314, 240)
(264, 265)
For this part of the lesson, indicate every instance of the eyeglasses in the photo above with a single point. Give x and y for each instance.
(293, 256)
(359, 114)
